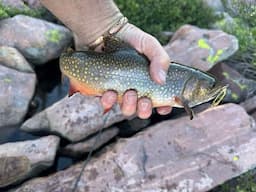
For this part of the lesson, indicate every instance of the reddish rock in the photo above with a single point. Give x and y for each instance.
(175, 155)
(200, 48)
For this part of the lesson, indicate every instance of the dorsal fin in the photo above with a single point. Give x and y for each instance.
(115, 44)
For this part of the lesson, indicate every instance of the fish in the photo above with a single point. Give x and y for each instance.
(121, 68)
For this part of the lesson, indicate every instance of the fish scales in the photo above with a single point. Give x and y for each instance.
(122, 70)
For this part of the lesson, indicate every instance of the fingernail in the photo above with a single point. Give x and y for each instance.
(162, 75)
(131, 98)
(111, 98)
(144, 106)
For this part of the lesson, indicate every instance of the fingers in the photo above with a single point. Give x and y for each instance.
(164, 110)
(108, 99)
(149, 46)
(144, 108)
(129, 103)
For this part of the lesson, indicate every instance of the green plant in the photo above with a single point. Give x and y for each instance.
(166, 15)
(243, 183)
(243, 9)
(243, 26)
(7, 11)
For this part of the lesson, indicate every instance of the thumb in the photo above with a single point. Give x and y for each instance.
(149, 46)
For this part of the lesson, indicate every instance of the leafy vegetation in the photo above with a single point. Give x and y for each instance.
(7, 11)
(244, 183)
(166, 15)
(243, 27)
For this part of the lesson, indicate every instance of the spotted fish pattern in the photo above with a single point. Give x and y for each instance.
(92, 73)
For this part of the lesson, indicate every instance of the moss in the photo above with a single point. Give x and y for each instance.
(234, 96)
(7, 80)
(8, 11)
(53, 35)
(203, 44)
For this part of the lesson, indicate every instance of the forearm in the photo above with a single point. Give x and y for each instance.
(88, 19)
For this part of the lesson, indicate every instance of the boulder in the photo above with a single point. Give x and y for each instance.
(200, 48)
(38, 40)
(12, 58)
(90, 144)
(74, 118)
(175, 155)
(24, 159)
(17, 89)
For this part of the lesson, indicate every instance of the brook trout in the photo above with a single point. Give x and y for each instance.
(93, 73)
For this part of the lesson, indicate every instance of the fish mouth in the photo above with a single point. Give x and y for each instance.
(217, 94)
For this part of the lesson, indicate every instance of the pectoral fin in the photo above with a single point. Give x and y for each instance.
(184, 103)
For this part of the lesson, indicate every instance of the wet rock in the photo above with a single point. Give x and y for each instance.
(93, 143)
(200, 48)
(11, 57)
(74, 118)
(17, 89)
(175, 155)
(46, 43)
(24, 159)
(26, 7)
(239, 88)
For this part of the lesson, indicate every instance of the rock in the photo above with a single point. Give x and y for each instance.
(200, 48)
(175, 155)
(25, 7)
(46, 43)
(13, 169)
(74, 118)
(93, 143)
(24, 159)
(250, 106)
(11, 57)
(239, 88)
(17, 89)
(216, 5)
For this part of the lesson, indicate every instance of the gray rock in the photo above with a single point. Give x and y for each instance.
(26, 158)
(200, 48)
(11, 57)
(17, 89)
(175, 155)
(38, 40)
(74, 118)
(93, 143)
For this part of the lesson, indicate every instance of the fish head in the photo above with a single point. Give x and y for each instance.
(203, 88)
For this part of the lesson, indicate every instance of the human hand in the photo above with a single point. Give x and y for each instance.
(159, 62)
